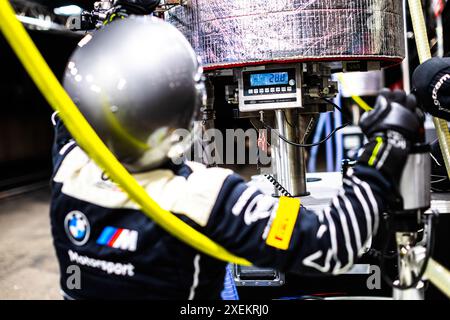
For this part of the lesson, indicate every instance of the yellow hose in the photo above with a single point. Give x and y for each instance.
(423, 48)
(439, 276)
(86, 137)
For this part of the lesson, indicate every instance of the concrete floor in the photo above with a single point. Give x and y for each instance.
(28, 266)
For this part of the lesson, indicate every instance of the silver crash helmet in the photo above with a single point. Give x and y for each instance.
(139, 83)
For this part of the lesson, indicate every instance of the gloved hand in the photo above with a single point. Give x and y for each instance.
(139, 6)
(391, 127)
(431, 83)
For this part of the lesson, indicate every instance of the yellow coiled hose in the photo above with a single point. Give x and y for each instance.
(86, 137)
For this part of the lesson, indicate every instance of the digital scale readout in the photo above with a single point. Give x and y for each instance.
(269, 88)
(269, 79)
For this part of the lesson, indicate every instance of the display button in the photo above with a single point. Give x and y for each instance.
(289, 89)
(283, 89)
(266, 90)
(278, 89)
(261, 90)
(250, 91)
(272, 90)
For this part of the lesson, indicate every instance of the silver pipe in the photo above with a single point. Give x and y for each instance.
(289, 161)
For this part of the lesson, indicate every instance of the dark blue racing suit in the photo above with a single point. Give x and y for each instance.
(122, 254)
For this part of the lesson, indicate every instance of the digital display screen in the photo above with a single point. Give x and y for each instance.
(269, 79)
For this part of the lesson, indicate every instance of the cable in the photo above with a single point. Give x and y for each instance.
(287, 121)
(430, 249)
(301, 145)
(284, 192)
(278, 185)
(333, 104)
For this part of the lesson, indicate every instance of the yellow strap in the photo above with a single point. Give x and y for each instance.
(86, 137)
(375, 151)
(359, 101)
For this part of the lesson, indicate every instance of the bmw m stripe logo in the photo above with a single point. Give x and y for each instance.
(117, 238)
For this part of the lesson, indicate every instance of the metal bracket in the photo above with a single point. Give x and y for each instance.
(257, 277)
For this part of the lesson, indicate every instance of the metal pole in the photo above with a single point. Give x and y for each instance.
(289, 161)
